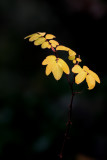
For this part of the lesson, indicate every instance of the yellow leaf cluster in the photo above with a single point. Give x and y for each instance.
(85, 73)
(45, 45)
(49, 36)
(55, 65)
(54, 43)
(72, 54)
(77, 60)
(39, 39)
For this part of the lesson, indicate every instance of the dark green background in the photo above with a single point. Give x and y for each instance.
(33, 107)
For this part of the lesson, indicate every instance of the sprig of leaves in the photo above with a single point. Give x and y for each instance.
(57, 65)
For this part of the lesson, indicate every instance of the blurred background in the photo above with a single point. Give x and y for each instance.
(33, 107)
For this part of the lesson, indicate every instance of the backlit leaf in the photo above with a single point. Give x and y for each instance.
(34, 37)
(42, 33)
(48, 69)
(90, 81)
(80, 77)
(45, 45)
(85, 68)
(78, 60)
(48, 59)
(39, 41)
(64, 66)
(62, 48)
(57, 71)
(29, 36)
(71, 53)
(74, 61)
(77, 69)
(56, 66)
(54, 43)
(49, 46)
(95, 76)
(71, 58)
(49, 36)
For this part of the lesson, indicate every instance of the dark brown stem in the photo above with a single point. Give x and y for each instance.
(69, 123)
(53, 49)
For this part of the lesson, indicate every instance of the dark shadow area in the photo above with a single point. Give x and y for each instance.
(34, 107)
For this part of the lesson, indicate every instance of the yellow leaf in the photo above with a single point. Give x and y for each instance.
(42, 33)
(48, 69)
(34, 37)
(74, 61)
(57, 71)
(63, 48)
(49, 46)
(29, 36)
(71, 58)
(77, 69)
(54, 43)
(71, 53)
(86, 69)
(78, 59)
(48, 59)
(90, 81)
(94, 75)
(39, 41)
(80, 77)
(64, 66)
(56, 66)
(45, 45)
(49, 36)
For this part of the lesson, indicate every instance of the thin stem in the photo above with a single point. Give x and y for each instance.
(53, 49)
(69, 123)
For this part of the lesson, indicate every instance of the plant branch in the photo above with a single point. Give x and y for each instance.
(69, 122)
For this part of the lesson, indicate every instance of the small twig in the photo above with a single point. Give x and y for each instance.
(69, 123)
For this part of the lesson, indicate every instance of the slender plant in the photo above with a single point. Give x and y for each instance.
(57, 66)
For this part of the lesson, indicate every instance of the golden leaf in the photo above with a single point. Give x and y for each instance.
(29, 36)
(71, 58)
(48, 69)
(63, 48)
(57, 71)
(71, 53)
(49, 46)
(56, 66)
(49, 36)
(77, 69)
(90, 81)
(39, 41)
(54, 43)
(42, 33)
(34, 37)
(85, 68)
(74, 61)
(64, 66)
(80, 77)
(91, 77)
(78, 60)
(94, 75)
(49, 59)
(45, 45)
